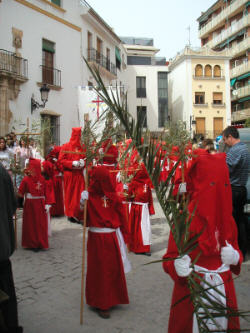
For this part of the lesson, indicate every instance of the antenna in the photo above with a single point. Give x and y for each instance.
(188, 28)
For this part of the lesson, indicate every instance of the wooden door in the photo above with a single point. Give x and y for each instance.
(218, 126)
(48, 63)
(89, 45)
(200, 126)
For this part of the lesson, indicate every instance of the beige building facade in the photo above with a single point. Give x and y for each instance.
(199, 91)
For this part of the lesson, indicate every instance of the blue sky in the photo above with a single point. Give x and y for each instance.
(166, 21)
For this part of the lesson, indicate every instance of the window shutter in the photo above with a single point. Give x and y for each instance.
(217, 96)
(48, 46)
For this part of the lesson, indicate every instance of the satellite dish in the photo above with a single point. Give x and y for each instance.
(235, 92)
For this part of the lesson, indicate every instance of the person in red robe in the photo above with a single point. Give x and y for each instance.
(140, 195)
(35, 223)
(106, 251)
(72, 157)
(217, 250)
(57, 208)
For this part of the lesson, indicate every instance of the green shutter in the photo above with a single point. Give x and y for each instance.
(244, 76)
(117, 54)
(56, 2)
(48, 46)
(244, 99)
(232, 82)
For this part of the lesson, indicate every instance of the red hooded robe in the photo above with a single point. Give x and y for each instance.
(210, 192)
(35, 223)
(140, 192)
(105, 280)
(73, 177)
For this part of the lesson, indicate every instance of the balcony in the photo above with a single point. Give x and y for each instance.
(240, 48)
(203, 105)
(205, 77)
(239, 70)
(221, 17)
(106, 68)
(240, 115)
(218, 105)
(12, 66)
(51, 76)
(241, 92)
(233, 29)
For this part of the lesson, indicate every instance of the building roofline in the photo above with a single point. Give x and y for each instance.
(93, 13)
(207, 11)
(199, 53)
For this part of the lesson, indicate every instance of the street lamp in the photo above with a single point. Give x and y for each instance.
(44, 90)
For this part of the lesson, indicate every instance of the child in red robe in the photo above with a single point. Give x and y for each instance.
(142, 206)
(35, 223)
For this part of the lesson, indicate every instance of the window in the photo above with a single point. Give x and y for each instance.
(142, 116)
(48, 62)
(90, 85)
(217, 71)
(117, 58)
(162, 98)
(208, 70)
(56, 2)
(51, 125)
(217, 98)
(199, 98)
(140, 86)
(108, 59)
(198, 70)
(99, 50)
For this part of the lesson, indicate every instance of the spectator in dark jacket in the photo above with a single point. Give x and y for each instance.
(238, 162)
(8, 205)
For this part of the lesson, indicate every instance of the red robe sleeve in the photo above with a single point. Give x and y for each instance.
(150, 202)
(49, 192)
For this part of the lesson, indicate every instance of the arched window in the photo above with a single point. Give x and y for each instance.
(208, 70)
(217, 71)
(198, 70)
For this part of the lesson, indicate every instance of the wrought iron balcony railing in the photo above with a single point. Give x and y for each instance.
(51, 76)
(100, 59)
(13, 65)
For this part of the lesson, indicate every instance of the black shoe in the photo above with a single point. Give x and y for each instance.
(105, 314)
(72, 219)
(144, 253)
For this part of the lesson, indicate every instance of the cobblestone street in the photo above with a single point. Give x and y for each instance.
(48, 286)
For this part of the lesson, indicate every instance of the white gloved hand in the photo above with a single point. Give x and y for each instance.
(84, 196)
(118, 177)
(54, 159)
(26, 163)
(229, 256)
(82, 162)
(182, 266)
(182, 188)
(47, 208)
(76, 164)
(125, 187)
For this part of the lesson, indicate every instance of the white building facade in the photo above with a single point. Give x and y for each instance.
(146, 82)
(44, 42)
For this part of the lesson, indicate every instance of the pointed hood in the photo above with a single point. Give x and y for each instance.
(75, 139)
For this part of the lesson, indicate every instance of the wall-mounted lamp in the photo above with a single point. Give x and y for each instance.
(44, 90)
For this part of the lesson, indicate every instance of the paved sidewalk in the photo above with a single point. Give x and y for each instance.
(48, 286)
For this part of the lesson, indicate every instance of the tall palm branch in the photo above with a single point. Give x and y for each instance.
(175, 207)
